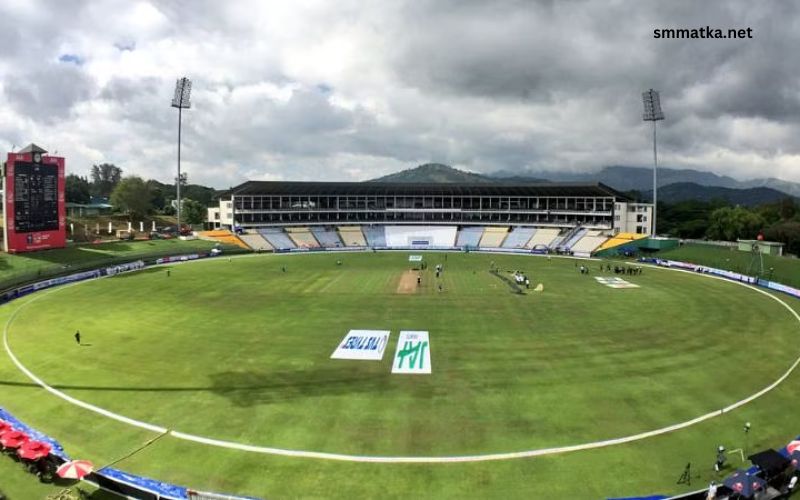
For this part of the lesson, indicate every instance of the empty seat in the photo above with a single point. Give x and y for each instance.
(375, 236)
(327, 237)
(469, 236)
(493, 237)
(222, 236)
(277, 238)
(519, 237)
(543, 237)
(352, 236)
(302, 237)
(255, 241)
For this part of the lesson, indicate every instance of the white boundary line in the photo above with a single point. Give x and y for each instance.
(409, 459)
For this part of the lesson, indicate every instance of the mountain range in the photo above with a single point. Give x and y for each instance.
(674, 184)
(641, 179)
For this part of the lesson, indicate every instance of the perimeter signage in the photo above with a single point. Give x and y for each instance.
(413, 354)
(365, 345)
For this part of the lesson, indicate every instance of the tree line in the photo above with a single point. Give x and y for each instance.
(137, 197)
(719, 220)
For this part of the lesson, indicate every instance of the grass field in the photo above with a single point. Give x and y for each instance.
(25, 267)
(240, 351)
(785, 270)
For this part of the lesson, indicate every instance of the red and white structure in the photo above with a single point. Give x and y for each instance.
(34, 211)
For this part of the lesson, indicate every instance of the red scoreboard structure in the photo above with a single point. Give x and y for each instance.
(35, 215)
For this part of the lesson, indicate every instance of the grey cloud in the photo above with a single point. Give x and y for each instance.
(48, 92)
(503, 85)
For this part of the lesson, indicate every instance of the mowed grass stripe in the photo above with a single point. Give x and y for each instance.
(279, 336)
(551, 477)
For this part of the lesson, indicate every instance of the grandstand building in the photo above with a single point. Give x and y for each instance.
(287, 215)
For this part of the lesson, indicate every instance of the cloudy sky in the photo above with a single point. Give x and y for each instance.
(351, 90)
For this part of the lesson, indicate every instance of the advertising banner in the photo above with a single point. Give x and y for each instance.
(365, 345)
(413, 354)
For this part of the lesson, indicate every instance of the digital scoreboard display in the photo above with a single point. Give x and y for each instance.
(35, 197)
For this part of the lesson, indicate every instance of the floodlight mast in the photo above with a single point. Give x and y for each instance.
(183, 90)
(653, 113)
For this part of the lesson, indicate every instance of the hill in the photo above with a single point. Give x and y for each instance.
(627, 178)
(683, 191)
(435, 172)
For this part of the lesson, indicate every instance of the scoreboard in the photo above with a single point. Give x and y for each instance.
(35, 217)
(35, 197)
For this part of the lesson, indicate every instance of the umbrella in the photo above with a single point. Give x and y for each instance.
(795, 459)
(744, 484)
(13, 439)
(34, 450)
(75, 469)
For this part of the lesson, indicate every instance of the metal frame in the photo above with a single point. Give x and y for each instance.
(181, 100)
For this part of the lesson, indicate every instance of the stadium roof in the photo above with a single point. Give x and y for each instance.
(421, 189)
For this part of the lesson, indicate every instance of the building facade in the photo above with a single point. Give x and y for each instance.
(632, 217)
(266, 204)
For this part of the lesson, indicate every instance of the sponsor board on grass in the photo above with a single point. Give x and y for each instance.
(415, 258)
(413, 353)
(615, 282)
(367, 345)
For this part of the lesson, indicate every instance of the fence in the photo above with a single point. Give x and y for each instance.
(730, 244)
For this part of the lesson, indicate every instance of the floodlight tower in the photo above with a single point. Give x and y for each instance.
(653, 113)
(183, 89)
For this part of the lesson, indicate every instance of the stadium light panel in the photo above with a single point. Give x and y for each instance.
(183, 92)
(652, 106)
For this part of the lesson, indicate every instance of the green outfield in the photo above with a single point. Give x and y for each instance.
(33, 266)
(238, 350)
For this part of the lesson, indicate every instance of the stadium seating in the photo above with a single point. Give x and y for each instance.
(543, 237)
(469, 236)
(590, 241)
(302, 237)
(518, 237)
(621, 239)
(573, 237)
(255, 241)
(375, 236)
(327, 237)
(222, 236)
(562, 235)
(277, 238)
(352, 236)
(493, 237)
(421, 236)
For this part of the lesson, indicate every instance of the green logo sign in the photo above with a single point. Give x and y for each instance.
(413, 353)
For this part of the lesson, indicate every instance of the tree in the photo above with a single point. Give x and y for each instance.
(201, 194)
(77, 189)
(132, 196)
(193, 211)
(159, 194)
(105, 177)
(787, 232)
(787, 208)
(732, 223)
